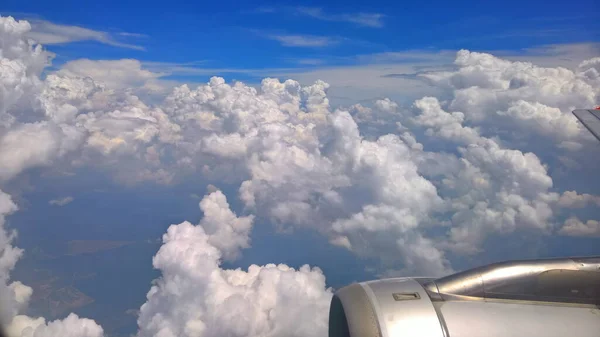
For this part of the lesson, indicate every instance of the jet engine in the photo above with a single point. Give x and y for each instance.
(549, 297)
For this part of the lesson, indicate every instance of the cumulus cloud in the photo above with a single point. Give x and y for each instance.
(11, 295)
(301, 164)
(572, 199)
(71, 326)
(308, 166)
(197, 297)
(228, 233)
(493, 189)
(537, 100)
(32, 144)
(61, 201)
(20, 66)
(24, 145)
(443, 124)
(575, 227)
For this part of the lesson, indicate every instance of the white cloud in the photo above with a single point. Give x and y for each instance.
(284, 137)
(9, 255)
(228, 233)
(21, 65)
(443, 124)
(303, 40)
(308, 61)
(48, 33)
(374, 20)
(399, 74)
(575, 227)
(196, 297)
(494, 189)
(61, 201)
(277, 133)
(32, 144)
(568, 55)
(374, 76)
(133, 34)
(130, 74)
(267, 137)
(71, 326)
(572, 199)
(484, 83)
(118, 74)
(528, 106)
(191, 68)
(22, 324)
(22, 146)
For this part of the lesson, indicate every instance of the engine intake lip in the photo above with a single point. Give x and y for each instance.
(351, 314)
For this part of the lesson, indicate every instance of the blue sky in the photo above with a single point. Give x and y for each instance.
(258, 35)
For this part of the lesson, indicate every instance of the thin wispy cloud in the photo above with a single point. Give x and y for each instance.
(61, 201)
(133, 35)
(187, 69)
(304, 40)
(374, 20)
(307, 61)
(552, 55)
(196, 69)
(407, 56)
(378, 67)
(49, 33)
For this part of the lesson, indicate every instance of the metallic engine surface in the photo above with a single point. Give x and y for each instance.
(399, 313)
(496, 319)
(524, 280)
(549, 298)
(351, 314)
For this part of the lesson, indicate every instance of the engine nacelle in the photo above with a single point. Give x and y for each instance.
(550, 298)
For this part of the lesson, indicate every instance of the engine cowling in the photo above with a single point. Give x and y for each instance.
(550, 298)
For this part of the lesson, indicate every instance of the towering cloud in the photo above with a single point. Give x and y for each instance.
(494, 189)
(197, 297)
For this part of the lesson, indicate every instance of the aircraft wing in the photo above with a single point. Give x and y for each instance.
(590, 119)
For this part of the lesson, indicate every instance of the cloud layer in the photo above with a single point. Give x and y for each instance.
(404, 185)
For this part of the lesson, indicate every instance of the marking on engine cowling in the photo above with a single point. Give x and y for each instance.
(406, 296)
